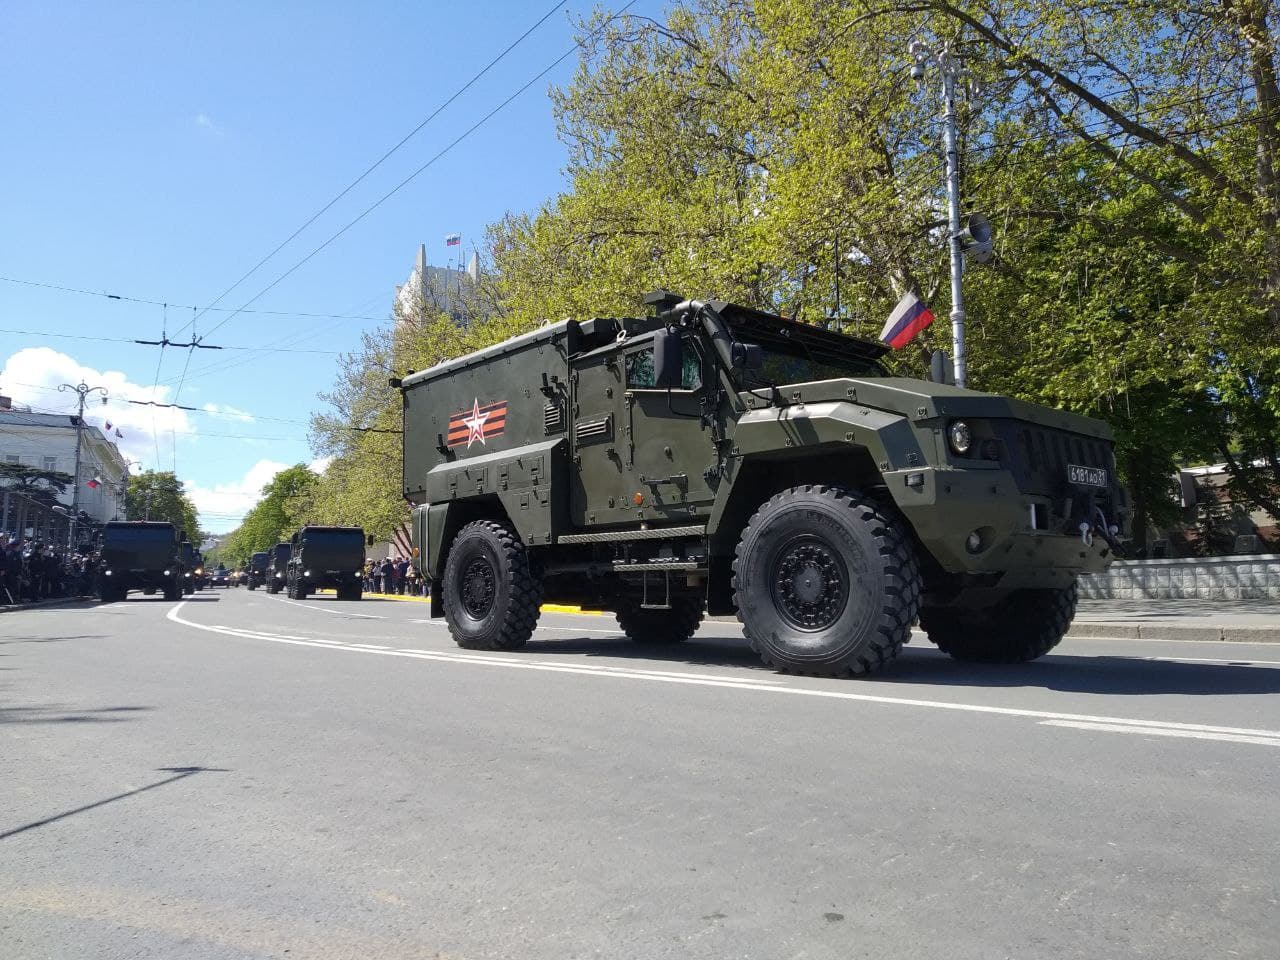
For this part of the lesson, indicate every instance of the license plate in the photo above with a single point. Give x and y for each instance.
(1087, 476)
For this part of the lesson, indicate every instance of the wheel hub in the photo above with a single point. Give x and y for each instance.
(810, 584)
(478, 588)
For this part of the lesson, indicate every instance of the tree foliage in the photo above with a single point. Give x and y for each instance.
(162, 496)
(274, 518)
(773, 152)
(43, 486)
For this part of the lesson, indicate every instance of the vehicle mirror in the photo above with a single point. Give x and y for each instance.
(667, 359)
(368, 541)
(747, 356)
(294, 540)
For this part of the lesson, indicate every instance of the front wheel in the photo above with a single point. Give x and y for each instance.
(491, 596)
(826, 582)
(1023, 626)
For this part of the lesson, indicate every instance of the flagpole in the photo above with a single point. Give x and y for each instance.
(82, 391)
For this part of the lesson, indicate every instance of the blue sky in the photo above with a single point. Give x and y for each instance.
(158, 151)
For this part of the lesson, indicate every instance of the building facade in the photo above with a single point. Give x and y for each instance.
(47, 441)
(438, 289)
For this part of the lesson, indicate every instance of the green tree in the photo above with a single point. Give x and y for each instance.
(40, 485)
(272, 519)
(162, 496)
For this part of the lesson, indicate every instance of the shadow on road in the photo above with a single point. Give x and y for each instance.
(74, 636)
(1108, 675)
(57, 713)
(179, 773)
(1068, 673)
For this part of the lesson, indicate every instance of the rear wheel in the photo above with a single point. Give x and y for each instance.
(173, 591)
(1023, 626)
(826, 582)
(491, 596)
(661, 627)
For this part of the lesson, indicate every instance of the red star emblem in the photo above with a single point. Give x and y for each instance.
(475, 423)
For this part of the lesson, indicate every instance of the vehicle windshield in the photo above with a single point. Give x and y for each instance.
(131, 536)
(795, 364)
(346, 539)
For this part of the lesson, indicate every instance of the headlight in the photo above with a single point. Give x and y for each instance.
(960, 437)
(166, 573)
(106, 573)
(199, 570)
(187, 575)
(306, 573)
(279, 576)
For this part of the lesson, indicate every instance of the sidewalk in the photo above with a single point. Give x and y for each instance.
(1256, 621)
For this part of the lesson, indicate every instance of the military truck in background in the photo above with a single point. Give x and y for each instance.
(277, 566)
(139, 555)
(255, 571)
(326, 557)
(192, 567)
(714, 458)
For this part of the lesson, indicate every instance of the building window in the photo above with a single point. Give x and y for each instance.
(12, 458)
(51, 463)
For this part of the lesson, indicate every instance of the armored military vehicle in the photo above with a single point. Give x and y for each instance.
(713, 458)
(138, 555)
(192, 567)
(326, 557)
(255, 571)
(277, 566)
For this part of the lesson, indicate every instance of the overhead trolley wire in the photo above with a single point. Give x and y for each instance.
(377, 163)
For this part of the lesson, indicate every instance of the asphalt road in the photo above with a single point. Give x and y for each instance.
(244, 776)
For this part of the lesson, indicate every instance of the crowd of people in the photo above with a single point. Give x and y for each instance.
(31, 571)
(393, 576)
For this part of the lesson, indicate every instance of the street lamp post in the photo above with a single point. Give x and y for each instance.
(82, 391)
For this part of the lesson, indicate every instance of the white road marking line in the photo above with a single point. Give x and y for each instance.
(369, 646)
(1238, 661)
(1158, 732)
(343, 613)
(1238, 643)
(1249, 735)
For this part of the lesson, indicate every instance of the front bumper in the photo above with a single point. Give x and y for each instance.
(1029, 540)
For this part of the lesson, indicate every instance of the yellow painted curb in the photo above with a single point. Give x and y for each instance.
(546, 607)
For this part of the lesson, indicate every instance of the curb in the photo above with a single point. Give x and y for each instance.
(1160, 631)
(546, 607)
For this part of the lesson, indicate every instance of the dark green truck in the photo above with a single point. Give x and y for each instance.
(713, 458)
(139, 555)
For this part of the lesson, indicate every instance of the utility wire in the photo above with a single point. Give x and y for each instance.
(413, 176)
(76, 336)
(185, 306)
(377, 163)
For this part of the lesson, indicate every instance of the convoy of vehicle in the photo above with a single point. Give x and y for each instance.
(714, 459)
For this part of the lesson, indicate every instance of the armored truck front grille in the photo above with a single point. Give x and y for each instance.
(1038, 457)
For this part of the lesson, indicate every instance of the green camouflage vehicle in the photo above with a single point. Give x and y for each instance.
(713, 458)
(139, 555)
(326, 557)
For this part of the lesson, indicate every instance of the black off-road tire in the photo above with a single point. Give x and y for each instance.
(826, 582)
(1024, 626)
(661, 627)
(490, 592)
(173, 591)
(112, 594)
(291, 588)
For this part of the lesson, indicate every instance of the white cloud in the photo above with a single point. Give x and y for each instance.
(320, 464)
(32, 376)
(228, 412)
(223, 505)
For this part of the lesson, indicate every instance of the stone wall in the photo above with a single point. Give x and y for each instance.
(1210, 578)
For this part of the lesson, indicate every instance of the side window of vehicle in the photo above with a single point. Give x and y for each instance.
(640, 372)
(640, 369)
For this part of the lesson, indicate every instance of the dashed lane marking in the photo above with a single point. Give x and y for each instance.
(1128, 725)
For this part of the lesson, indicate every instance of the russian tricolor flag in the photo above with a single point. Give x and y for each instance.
(909, 317)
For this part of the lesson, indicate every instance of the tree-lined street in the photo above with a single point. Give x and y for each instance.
(241, 776)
